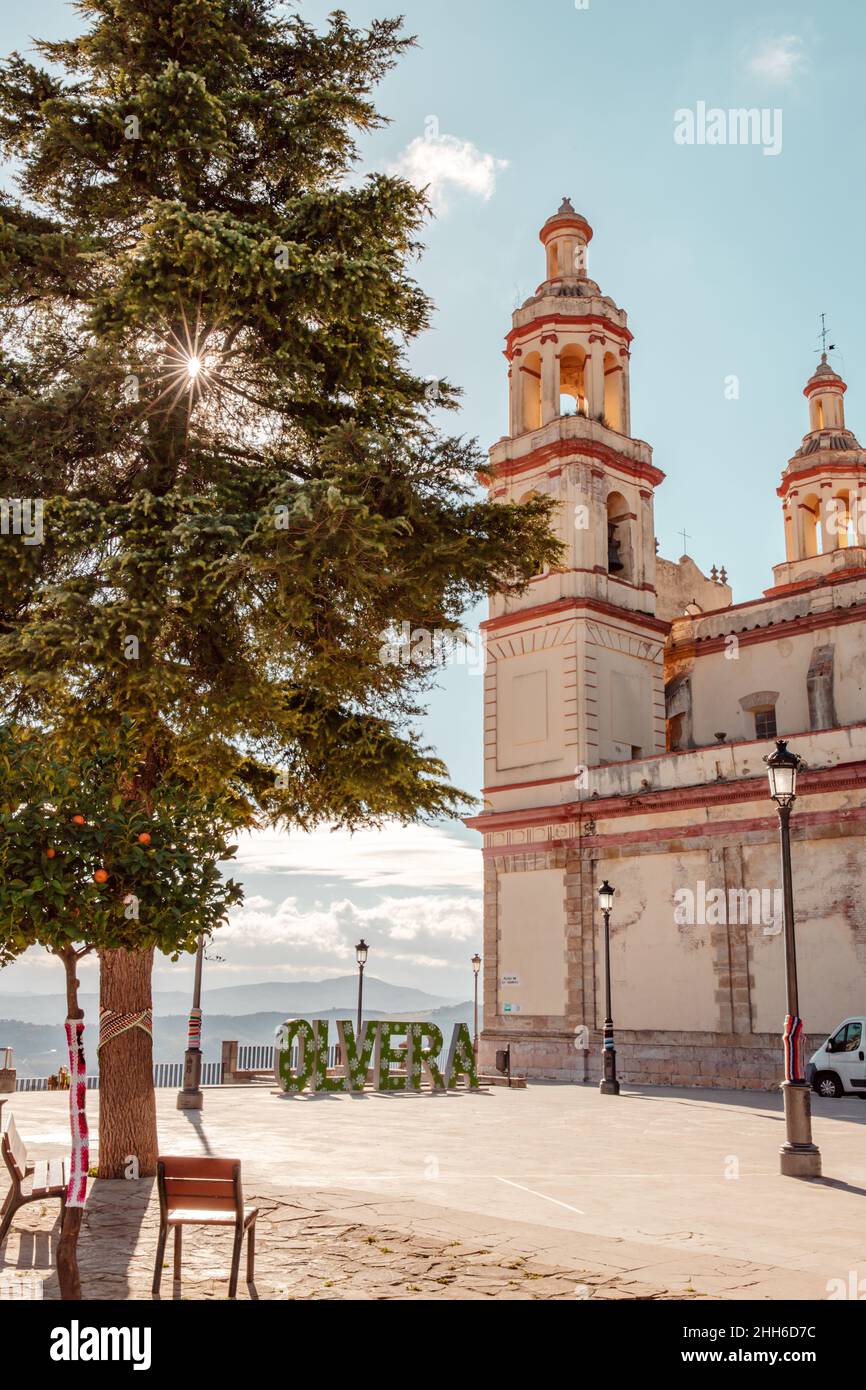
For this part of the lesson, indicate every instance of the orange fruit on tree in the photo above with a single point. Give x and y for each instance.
(78, 820)
(101, 876)
(144, 838)
(50, 853)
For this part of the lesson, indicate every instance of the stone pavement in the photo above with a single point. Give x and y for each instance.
(304, 1250)
(549, 1193)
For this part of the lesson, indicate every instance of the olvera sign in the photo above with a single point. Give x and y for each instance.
(375, 1052)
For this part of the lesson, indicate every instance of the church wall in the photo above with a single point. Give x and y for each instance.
(532, 967)
(701, 1002)
(663, 973)
(720, 682)
(782, 665)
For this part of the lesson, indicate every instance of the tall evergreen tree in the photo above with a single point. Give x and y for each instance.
(204, 387)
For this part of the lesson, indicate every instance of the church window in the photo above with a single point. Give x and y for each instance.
(765, 722)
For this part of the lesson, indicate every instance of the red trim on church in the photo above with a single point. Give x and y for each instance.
(818, 470)
(537, 458)
(845, 776)
(527, 329)
(577, 605)
(785, 627)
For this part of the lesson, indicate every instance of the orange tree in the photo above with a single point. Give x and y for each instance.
(84, 867)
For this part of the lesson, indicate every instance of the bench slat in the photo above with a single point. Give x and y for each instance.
(14, 1148)
(49, 1175)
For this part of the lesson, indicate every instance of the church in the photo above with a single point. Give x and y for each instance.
(628, 706)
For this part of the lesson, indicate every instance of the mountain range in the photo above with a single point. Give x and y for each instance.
(32, 1024)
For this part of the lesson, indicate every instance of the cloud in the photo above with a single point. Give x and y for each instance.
(397, 856)
(443, 163)
(779, 59)
(331, 932)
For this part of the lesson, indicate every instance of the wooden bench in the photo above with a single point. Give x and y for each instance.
(31, 1182)
(203, 1192)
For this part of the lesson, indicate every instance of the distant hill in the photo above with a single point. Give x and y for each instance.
(298, 997)
(40, 1048)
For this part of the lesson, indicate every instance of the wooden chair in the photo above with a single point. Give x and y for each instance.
(31, 1182)
(203, 1192)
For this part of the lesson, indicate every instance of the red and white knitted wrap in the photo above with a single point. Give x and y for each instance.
(76, 1190)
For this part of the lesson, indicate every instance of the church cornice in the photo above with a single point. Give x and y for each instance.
(820, 466)
(526, 330)
(587, 448)
(773, 630)
(573, 605)
(843, 777)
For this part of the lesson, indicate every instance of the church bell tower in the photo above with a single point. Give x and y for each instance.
(574, 676)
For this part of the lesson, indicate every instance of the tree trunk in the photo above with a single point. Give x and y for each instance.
(76, 1191)
(127, 1106)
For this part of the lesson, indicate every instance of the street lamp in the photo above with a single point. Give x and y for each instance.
(361, 952)
(798, 1156)
(609, 1085)
(191, 1098)
(476, 966)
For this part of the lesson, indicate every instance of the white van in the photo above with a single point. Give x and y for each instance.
(839, 1066)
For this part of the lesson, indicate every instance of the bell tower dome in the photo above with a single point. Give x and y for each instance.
(823, 488)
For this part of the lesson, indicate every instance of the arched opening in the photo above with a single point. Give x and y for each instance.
(843, 521)
(812, 538)
(572, 380)
(613, 381)
(620, 548)
(819, 415)
(530, 377)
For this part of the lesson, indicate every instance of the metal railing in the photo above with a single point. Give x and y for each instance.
(166, 1076)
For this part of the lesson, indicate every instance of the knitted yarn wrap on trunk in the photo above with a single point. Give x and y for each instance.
(76, 1189)
(112, 1024)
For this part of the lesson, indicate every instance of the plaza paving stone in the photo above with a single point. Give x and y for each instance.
(551, 1193)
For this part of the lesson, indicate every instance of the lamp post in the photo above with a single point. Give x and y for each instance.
(191, 1098)
(798, 1156)
(609, 1085)
(476, 966)
(361, 952)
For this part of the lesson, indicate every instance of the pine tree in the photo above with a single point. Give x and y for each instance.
(210, 423)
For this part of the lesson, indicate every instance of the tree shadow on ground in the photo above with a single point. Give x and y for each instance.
(119, 1220)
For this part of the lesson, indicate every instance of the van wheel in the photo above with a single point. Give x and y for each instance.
(828, 1084)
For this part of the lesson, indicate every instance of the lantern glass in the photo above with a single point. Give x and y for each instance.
(782, 767)
(361, 951)
(605, 896)
(476, 963)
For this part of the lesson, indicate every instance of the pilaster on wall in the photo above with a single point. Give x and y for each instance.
(574, 938)
(739, 978)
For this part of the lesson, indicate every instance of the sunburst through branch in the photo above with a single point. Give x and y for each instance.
(192, 365)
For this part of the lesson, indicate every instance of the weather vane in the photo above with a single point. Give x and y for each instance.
(824, 348)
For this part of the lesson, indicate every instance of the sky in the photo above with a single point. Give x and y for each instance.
(724, 255)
